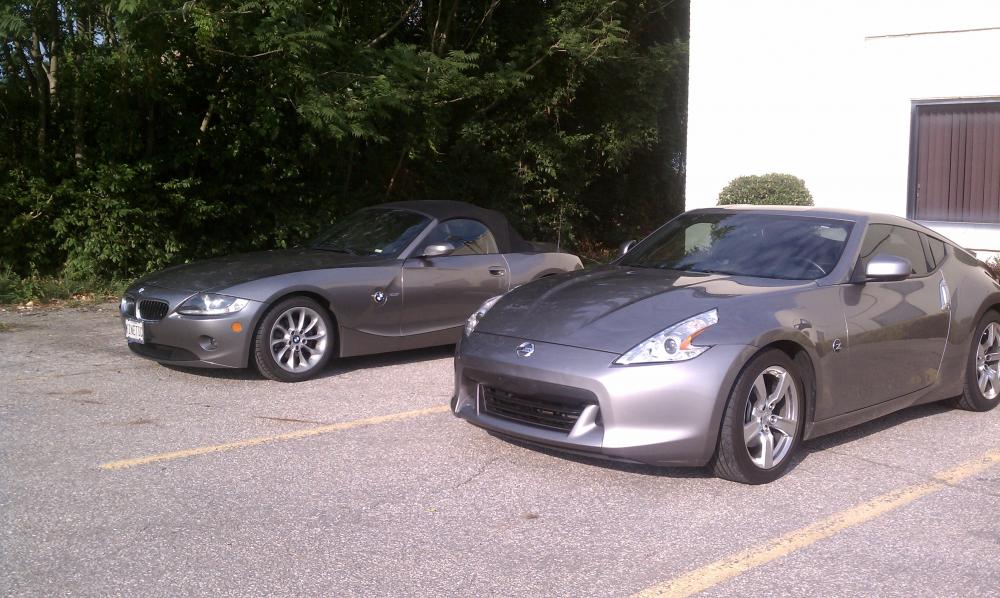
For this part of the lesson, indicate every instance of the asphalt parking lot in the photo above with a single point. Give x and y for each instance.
(119, 476)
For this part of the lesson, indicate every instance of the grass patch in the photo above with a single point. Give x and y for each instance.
(5, 327)
(65, 288)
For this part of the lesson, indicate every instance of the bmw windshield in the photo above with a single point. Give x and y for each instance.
(376, 231)
(744, 244)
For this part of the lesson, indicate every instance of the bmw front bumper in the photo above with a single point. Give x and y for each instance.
(193, 341)
(576, 399)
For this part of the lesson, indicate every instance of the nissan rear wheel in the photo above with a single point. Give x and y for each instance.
(982, 373)
(763, 422)
(294, 340)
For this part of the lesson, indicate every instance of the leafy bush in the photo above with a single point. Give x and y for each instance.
(766, 190)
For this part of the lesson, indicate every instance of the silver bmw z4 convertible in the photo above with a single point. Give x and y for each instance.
(392, 277)
(730, 335)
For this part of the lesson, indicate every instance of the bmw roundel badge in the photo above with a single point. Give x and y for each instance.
(525, 349)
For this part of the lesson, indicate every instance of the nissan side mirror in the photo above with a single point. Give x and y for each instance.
(884, 267)
(438, 250)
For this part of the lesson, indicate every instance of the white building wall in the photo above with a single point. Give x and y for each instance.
(823, 90)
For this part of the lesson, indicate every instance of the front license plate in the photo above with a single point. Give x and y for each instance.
(135, 331)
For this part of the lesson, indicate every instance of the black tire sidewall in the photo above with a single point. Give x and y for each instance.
(733, 442)
(265, 362)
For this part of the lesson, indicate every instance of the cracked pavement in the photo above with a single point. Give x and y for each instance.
(427, 505)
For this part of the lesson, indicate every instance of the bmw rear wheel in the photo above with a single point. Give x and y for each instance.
(294, 340)
(763, 422)
(982, 377)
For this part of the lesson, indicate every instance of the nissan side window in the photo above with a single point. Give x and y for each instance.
(885, 239)
(469, 237)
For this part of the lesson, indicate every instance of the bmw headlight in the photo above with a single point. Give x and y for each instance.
(477, 315)
(674, 343)
(210, 304)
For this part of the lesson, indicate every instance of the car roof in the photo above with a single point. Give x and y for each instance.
(857, 216)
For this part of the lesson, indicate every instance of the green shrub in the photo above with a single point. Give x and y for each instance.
(766, 190)
(993, 264)
(39, 288)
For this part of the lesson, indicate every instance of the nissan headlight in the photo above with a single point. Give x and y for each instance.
(477, 315)
(210, 304)
(673, 344)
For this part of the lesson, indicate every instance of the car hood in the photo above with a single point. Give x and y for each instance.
(217, 274)
(614, 308)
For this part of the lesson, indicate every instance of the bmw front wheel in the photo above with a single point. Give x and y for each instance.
(294, 340)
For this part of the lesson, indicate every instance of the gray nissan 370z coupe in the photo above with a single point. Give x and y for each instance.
(730, 335)
(392, 277)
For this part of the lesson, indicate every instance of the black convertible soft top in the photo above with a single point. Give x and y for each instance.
(507, 238)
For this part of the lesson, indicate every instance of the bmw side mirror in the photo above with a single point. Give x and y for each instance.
(626, 246)
(884, 267)
(438, 250)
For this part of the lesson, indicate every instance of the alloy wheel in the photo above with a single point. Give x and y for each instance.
(988, 361)
(770, 418)
(298, 339)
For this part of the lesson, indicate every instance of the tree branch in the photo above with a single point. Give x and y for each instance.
(486, 17)
(388, 32)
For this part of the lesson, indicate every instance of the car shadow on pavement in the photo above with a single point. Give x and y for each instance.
(817, 445)
(336, 367)
(876, 426)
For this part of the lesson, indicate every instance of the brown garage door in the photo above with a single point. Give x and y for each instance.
(956, 166)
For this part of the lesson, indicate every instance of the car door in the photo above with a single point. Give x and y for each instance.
(896, 331)
(441, 292)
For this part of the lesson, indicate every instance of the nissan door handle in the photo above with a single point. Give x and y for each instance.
(496, 271)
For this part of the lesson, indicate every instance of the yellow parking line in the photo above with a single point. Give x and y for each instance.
(699, 580)
(228, 446)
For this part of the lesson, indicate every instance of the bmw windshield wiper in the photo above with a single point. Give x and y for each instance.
(334, 248)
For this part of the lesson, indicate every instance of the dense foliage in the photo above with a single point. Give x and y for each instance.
(768, 190)
(138, 133)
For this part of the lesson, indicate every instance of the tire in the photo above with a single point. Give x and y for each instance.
(981, 391)
(760, 417)
(294, 340)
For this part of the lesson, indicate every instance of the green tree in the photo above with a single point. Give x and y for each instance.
(139, 133)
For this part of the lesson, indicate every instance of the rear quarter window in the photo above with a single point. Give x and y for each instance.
(934, 249)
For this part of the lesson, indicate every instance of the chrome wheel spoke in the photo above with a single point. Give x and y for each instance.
(302, 319)
(310, 326)
(314, 337)
(751, 433)
(781, 388)
(784, 425)
(766, 449)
